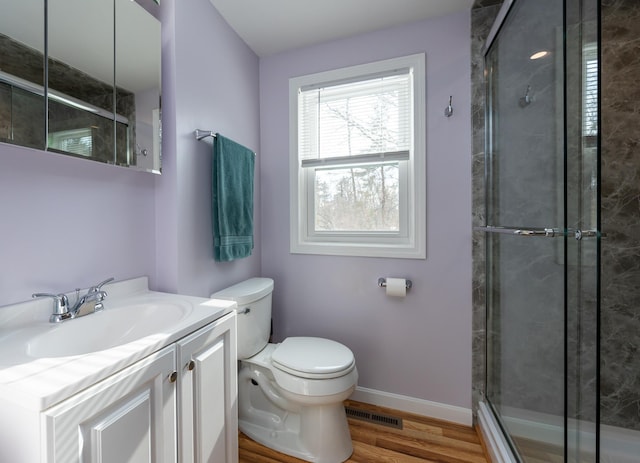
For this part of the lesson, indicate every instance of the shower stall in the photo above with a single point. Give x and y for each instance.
(551, 363)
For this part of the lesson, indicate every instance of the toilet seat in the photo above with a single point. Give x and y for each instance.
(299, 382)
(313, 358)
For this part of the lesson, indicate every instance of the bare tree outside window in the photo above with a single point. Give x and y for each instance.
(362, 197)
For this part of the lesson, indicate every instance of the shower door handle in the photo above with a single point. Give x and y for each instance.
(544, 232)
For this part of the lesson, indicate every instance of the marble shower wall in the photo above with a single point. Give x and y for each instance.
(620, 206)
(483, 15)
(620, 209)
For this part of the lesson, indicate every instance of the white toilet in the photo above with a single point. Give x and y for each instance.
(290, 394)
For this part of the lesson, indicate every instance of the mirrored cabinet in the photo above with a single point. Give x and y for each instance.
(82, 78)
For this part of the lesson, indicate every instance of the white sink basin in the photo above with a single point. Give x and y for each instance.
(121, 322)
(102, 330)
(45, 363)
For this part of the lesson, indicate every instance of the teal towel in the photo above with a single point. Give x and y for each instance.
(232, 199)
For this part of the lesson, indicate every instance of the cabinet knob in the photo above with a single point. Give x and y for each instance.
(173, 377)
(191, 365)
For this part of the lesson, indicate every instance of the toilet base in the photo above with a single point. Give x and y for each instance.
(306, 435)
(312, 428)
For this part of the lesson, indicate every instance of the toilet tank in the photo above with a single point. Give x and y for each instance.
(253, 297)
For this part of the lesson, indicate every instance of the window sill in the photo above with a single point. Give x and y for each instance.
(360, 250)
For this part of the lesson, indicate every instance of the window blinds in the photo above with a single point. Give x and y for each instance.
(356, 121)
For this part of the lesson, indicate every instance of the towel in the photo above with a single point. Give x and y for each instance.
(232, 199)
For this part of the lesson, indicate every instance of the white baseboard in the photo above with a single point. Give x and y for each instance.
(407, 404)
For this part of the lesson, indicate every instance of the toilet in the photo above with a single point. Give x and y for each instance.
(290, 394)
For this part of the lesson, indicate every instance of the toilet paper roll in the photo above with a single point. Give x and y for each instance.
(396, 287)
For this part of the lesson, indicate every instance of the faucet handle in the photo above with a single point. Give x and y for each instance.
(96, 288)
(61, 302)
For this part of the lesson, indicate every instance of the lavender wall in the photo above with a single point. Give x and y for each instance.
(210, 82)
(68, 222)
(419, 346)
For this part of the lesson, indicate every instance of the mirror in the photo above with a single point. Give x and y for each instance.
(138, 48)
(80, 78)
(22, 108)
(103, 84)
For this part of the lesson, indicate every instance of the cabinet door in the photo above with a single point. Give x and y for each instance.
(207, 390)
(129, 417)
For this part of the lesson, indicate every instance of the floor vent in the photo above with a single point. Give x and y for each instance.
(375, 418)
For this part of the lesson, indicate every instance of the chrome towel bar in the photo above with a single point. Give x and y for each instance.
(200, 134)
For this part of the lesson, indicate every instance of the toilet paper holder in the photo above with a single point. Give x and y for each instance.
(382, 282)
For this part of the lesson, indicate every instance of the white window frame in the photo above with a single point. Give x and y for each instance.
(410, 243)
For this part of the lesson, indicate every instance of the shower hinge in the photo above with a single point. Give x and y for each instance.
(374, 417)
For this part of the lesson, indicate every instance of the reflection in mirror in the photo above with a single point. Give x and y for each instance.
(138, 82)
(22, 113)
(81, 70)
(103, 88)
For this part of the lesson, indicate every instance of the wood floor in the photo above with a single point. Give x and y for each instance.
(421, 440)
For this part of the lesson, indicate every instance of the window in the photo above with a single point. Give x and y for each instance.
(358, 160)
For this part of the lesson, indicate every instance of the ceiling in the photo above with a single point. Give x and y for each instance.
(273, 26)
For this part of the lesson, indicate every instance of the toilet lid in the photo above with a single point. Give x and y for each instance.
(311, 357)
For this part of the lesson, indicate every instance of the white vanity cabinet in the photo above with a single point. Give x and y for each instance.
(207, 399)
(178, 404)
(129, 417)
(152, 378)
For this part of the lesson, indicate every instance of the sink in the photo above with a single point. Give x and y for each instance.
(43, 363)
(121, 322)
(102, 330)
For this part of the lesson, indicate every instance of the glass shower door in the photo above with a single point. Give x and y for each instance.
(541, 253)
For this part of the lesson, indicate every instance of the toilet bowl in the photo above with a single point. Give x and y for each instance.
(290, 394)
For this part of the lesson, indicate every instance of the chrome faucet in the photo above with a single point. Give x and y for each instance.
(89, 303)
